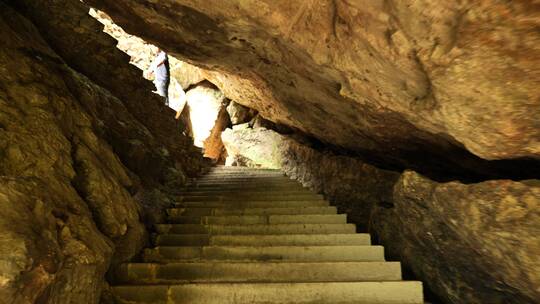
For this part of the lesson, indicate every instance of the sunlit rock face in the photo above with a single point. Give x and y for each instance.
(389, 80)
(205, 102)
(472, 243)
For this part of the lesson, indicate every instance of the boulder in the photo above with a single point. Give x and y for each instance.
(470, 243)
(239, 114)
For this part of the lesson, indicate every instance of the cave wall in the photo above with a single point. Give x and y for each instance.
(78, 167)
(79, 39)
(441, 87)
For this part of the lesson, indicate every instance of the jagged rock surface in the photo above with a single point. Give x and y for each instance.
(472, 243)
(75, 159)
(239, 114)
(400, 79)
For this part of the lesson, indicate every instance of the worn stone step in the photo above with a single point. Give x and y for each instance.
(239, 168)
(201, 211)
(236, 187)
(259, 219)
(234, 192)
(256, 229)
(244, 178)
(163, 254)
(227, 272)
(254, 186)
(243, 174)
(253, 204)
(360, 239)
(403, 292)
(250, 197)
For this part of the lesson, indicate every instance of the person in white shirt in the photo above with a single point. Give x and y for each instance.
(160, 68)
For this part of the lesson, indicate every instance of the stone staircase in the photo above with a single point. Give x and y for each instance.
(242, 235)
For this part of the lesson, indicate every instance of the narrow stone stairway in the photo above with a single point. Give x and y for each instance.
(242, 235)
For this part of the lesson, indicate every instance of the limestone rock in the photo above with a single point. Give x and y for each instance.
(213, 145)
(471, 243)
(453, 82)
(239, 114)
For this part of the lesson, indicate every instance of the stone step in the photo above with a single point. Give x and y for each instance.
(360, 239)
(245, 178)
(236, 187)
(201, 211)
(239, 168)
(259, 219)
(235, 192)
(255, 229)
(253, 204)
(403, 292)
(251, 197)
(163, 254)
(243, 173)
(266, 272)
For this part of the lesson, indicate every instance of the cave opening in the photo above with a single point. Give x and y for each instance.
(323, 152)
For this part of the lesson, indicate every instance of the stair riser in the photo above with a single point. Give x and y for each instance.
(268, 254)
(257, 229)
(259, 219)
(245, 192)
(263, 240)
(274, 293)
(258, 272)
(253, 204)
(250, 211)
(260, 197)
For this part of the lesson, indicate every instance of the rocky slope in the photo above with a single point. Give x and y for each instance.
(77, 159)
(437, 86)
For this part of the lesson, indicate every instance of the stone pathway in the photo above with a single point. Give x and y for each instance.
(242, 235)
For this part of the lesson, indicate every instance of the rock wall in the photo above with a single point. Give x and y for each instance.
(76, 161)
(441, 87)
(79, 39)
(471, 243)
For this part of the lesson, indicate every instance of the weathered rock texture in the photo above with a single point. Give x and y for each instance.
(240, 114)
(350, 184)
(433, 85)
(79, 40)
(75, 158)
(475, 243)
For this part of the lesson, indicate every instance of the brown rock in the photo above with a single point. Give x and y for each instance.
(402, 81)
(239, 114)
(470, 243)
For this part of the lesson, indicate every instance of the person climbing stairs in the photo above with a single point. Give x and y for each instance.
(241, 235)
